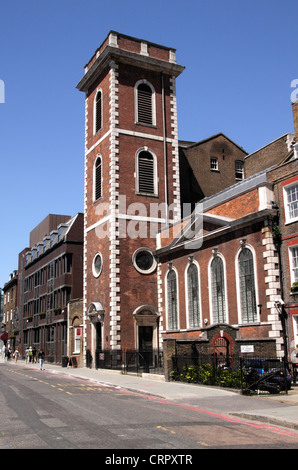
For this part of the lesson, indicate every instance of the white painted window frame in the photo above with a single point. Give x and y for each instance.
(225, 288)
(290, 251)
(288, 219)
(237, 273)
(98, 156)
(94, 111)
(155, 173)
(166, 298)
(186, 294)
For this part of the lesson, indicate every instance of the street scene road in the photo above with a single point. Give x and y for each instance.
(42, 410)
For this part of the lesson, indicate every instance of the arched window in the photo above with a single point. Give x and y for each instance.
(218, 290)
(146, 173)
(248, 302)
(97, 112)
(97, 189)
(172, 300)
(145, 103)
(193, 297)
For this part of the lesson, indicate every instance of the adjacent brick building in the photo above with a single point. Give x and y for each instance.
(284, 177)
(10, 320)
(50, 275)
(209, 166)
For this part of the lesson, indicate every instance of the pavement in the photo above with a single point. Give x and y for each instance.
(279, 410)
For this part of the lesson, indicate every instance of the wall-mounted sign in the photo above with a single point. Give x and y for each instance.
(247, 349)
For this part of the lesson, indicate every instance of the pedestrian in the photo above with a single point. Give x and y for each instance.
(27, 355)
(16, 355)
(41, 359)
(30, 354)
(34, 358)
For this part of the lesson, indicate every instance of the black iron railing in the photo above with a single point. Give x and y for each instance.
(250, 374)
(128, 361)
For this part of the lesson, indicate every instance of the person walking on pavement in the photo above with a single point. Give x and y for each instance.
(34, 358)
(16, 355)
(41, 359)
(27, 355)
(30, 354)
(9, 353)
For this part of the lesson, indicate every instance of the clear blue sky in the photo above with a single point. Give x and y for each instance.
(240, 58)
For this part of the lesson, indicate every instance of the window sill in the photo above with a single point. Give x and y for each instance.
(146, 194)
(97, 132)
(143, 124)
(291, 221)
(95, 201)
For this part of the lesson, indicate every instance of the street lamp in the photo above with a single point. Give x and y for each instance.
(283, 315)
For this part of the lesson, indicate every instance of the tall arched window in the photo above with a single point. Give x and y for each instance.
(97, 186)
(248, 302)
(97, 112)
(146, 173)
(218, 290)
(172, 300)
(145, 103)
(193, 297)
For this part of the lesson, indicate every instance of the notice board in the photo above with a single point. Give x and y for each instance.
(73, 361)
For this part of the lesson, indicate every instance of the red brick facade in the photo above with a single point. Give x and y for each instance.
(249, 227)
(49, 276)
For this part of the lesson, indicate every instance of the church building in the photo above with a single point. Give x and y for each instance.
(158, 276)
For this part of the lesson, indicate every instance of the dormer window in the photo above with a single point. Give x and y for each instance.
(239, 170)
(213, 164)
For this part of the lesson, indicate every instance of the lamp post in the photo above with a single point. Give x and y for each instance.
(283, 315)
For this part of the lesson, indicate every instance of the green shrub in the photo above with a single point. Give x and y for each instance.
(205, 374)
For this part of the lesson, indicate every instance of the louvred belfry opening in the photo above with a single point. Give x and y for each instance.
(144, 104)
(146, 173)
(98, 179)
(98, 116)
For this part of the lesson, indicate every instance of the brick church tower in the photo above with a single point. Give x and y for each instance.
(131, 188)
